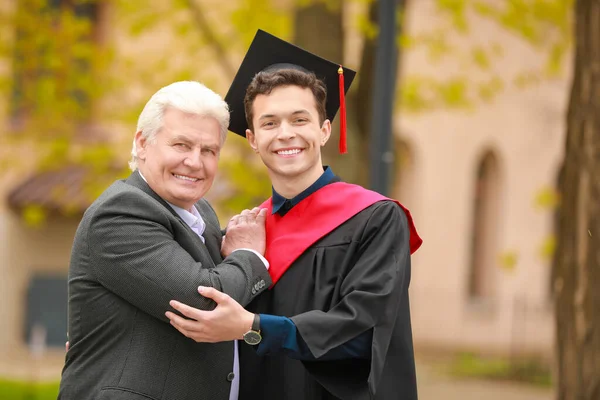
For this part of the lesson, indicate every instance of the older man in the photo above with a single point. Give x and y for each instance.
(149, 239)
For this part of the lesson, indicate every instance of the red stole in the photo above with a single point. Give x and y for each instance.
(313, 218)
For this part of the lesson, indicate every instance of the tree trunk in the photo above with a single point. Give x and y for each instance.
(576, 271)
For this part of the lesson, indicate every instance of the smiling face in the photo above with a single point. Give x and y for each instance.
(288, 136)
(180, 162)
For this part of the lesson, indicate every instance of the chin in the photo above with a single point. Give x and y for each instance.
(294, 169)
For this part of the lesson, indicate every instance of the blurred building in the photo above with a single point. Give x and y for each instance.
(470, 177)
(479, 180)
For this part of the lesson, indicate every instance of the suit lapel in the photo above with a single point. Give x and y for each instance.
(213, 240)
(135, 179)
(198, 248)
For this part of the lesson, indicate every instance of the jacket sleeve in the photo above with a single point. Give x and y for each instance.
(134, 253)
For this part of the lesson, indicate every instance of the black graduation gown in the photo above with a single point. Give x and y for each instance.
(354, 279)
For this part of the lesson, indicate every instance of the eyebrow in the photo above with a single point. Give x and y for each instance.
(181, 138)
(211, 147)
(185, 139)
(267, 116)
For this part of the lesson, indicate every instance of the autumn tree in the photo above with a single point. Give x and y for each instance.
(54, 60)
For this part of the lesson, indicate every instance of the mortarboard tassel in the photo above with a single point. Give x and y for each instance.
(343, 147)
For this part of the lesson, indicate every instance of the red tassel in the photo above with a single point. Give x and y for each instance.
(343, 147)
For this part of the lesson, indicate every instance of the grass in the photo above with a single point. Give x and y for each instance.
(530, 371)
(19, 390)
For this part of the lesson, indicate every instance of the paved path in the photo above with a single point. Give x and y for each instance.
(436, 386)
(433, 385)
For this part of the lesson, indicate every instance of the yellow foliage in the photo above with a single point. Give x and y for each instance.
(548, 248)
(508, 260)
(454, 92)
(413, 96)
(264, 14)
(526, 78)
(60, 70)
(368, 28)
(457, 11)
(34, 216)
(547, 198)
(545, 24)
(480, 58)
(488, 90)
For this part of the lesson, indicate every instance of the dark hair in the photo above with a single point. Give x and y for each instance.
(264, 82)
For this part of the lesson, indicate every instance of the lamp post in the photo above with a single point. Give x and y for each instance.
(382, 107)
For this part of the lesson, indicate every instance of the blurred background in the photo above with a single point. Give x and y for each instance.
(459, 110)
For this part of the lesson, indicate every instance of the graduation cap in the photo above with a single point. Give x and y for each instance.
(268, 52)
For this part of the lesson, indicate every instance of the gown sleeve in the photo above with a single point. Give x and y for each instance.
(279, 335)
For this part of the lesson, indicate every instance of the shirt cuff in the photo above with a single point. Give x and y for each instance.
(278, 333)
(263, 259)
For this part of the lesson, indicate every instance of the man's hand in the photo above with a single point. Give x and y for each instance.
(246, 231)
(228, 321)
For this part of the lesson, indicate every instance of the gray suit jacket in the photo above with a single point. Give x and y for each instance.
(131, 255)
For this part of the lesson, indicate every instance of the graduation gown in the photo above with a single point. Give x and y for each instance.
(353, 279)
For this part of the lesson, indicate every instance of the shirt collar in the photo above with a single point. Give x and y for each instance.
(193, 219)
(278, 200)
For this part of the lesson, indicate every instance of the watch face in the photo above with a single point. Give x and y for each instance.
(252, 338)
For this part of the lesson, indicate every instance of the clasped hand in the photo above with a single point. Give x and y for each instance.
(246, 230)
(228, 321)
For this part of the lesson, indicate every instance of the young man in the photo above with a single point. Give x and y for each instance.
(336, 322)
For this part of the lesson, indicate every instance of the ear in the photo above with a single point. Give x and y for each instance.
(251, 138)
(325, 132)
(140, 145)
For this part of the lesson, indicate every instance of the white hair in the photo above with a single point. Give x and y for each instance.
(186, 96)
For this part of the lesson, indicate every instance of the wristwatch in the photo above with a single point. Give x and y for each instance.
(252, 337)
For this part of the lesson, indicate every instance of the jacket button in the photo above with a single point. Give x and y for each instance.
(230, 377)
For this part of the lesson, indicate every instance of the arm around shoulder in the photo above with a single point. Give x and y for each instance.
(133, 253)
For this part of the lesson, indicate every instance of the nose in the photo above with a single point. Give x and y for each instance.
(286, 131)
(193, 160)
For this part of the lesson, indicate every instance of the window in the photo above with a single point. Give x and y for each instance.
(46, 312)
(484, 233)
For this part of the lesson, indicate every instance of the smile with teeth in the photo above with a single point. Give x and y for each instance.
(186, 178)
(289, 152)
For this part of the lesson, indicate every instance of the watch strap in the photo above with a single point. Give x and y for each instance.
(256, 323)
